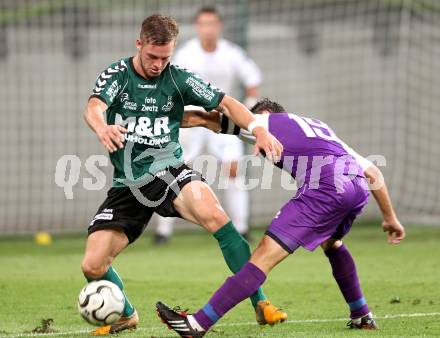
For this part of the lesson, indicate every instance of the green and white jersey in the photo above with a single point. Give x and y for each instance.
(152, 111)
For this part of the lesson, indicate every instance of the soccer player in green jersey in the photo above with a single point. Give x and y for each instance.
(143, 98)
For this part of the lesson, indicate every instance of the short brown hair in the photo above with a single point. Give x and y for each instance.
(208, 10)
(267, 104)
(159, 30)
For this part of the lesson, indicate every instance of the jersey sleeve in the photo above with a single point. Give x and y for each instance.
(110, 83)
(247, 70)
(194, 90)
(230, 128)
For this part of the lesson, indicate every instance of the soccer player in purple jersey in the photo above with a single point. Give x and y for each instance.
(332, 191)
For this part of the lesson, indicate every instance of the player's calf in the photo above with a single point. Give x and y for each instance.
(345, 274)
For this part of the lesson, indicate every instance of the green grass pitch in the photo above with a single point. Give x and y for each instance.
(43, 282)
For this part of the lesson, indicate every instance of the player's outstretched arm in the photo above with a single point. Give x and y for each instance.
(242, 117)
(390, 224)
(198, 118)
(110, 136)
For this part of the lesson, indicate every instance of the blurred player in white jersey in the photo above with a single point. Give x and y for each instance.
(220, 62)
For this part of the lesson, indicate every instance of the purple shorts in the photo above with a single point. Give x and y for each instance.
(315, 215)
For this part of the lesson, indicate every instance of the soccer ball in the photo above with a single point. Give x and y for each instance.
(101, 302)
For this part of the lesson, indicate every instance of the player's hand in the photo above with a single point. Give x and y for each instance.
(111, 136)
(267, 143)
(396, 231)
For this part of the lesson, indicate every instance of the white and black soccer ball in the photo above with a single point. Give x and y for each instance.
(101, 302)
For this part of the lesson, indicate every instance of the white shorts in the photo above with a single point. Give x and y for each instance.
(201, 141)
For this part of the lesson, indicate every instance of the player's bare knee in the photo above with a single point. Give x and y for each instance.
(259, 256)
(217, 220)
(337, 244)
(268, 254)
(213, 218)
(93, 269)
(263, 249)
(331, 244)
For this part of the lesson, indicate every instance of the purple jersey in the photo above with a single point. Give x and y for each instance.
(330, 177)
(312, 151)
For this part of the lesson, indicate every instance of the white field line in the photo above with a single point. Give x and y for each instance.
(158, 328)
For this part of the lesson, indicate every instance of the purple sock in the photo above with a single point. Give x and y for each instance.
(344, 271)
(234, 290)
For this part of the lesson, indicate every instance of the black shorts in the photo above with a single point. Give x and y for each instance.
(131, 209)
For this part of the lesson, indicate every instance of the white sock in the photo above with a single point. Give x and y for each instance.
(236, 201)
(194, 324)
(164, 226)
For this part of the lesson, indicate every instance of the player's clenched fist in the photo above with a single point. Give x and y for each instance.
(111, 136)
(265, 141)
